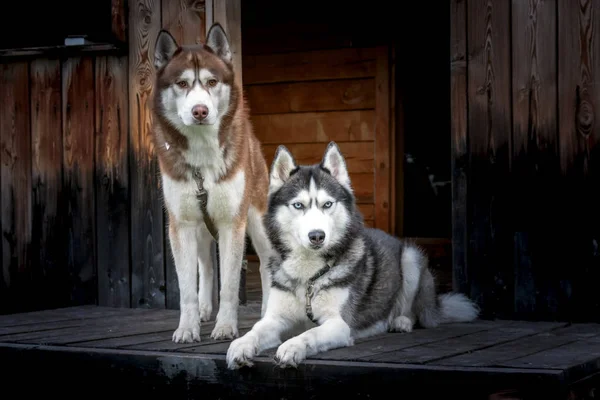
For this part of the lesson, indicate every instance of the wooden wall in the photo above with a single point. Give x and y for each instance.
(526, 158)
(82, 218)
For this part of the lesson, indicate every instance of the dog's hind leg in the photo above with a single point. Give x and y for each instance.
(205, 269)
(185, 253)
(231, 249)
(262, 246)
(411, 264)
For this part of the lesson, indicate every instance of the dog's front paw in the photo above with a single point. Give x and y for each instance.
(205, 311)
(291, 353)
(402, 324)
(240, 353)
(187, 334)
(224, 331)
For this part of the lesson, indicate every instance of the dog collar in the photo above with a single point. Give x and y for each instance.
(310, 289)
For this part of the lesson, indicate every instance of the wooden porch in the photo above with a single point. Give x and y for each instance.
(117, 350)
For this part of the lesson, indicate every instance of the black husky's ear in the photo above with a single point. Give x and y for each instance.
(164, 49)
(281, 168)
(217, 40)
(335, 163)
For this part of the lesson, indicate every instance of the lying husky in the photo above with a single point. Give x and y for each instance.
(214, 177)
(330, 270)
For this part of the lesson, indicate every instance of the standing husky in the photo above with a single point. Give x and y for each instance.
(214, 177)
(352, 281)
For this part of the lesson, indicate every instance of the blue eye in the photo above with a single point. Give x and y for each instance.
(298, 206)
(327, 204)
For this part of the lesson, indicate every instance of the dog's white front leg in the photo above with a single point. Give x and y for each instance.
(282, 315)
(231, 250)
(205, 268)
(333, 333)
(185, 253)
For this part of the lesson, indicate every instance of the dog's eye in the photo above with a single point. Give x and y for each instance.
(182, 84)
(298, 206)
(212, 82)
(327, 204)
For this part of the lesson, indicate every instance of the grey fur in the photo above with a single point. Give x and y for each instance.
(369, 262)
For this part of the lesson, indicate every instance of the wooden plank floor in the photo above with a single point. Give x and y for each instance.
(133, 346)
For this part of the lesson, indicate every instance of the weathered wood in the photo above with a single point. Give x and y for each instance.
(459, 150)
(491, 242)
(579, 138)
(335, 95)
(15, 177)
(119, 19)
(534, 157)
(78, 177)
(48, 234)
(315, 127)
(383, 183)
(112, 182)
(494, 355)
(228, 13)
(430, 352)
(147, 234)
(307, 66)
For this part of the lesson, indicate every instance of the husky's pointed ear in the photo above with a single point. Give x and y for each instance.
(334, 162)
(166, 46)
(281, 168)
(217, 40)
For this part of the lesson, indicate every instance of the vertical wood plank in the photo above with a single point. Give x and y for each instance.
(15, 176)
(534, 156)
(49, 235)
(489, 131)
(112, 181)
(147, 229)
(78, 178)
(119, 19)
(579, 138)
(184, 19)
(229, 14)
(459, 147)
(383, 184)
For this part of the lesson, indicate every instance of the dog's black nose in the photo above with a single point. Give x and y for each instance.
(200, 111)
(316, 236)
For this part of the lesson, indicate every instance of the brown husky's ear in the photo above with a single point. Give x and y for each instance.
(281, 168)
(217, 40)
(335, 163)
(165, 48)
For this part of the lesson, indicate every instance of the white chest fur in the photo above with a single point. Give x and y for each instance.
(224, 196)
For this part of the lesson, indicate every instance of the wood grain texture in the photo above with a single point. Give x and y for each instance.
(315, 127)
(459, 149)
(579, 138)
(185, 20)
(489, 129)
(48, 231)
(147, 229)
(112, 181)
(309, 66)
(535, 163)
(229, 14)
(15, 177)
(335, 95)
(383, 183)
(119, 19)
(78, 176)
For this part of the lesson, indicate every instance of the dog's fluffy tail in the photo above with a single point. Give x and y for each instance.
(456, 307)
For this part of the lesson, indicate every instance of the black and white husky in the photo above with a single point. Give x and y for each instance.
(333, 279)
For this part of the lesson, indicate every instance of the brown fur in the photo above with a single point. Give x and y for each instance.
(241, 147)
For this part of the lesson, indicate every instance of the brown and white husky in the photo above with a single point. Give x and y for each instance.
(207, 152)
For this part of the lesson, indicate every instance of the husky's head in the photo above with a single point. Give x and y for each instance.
(194, 82)
(311, 207)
